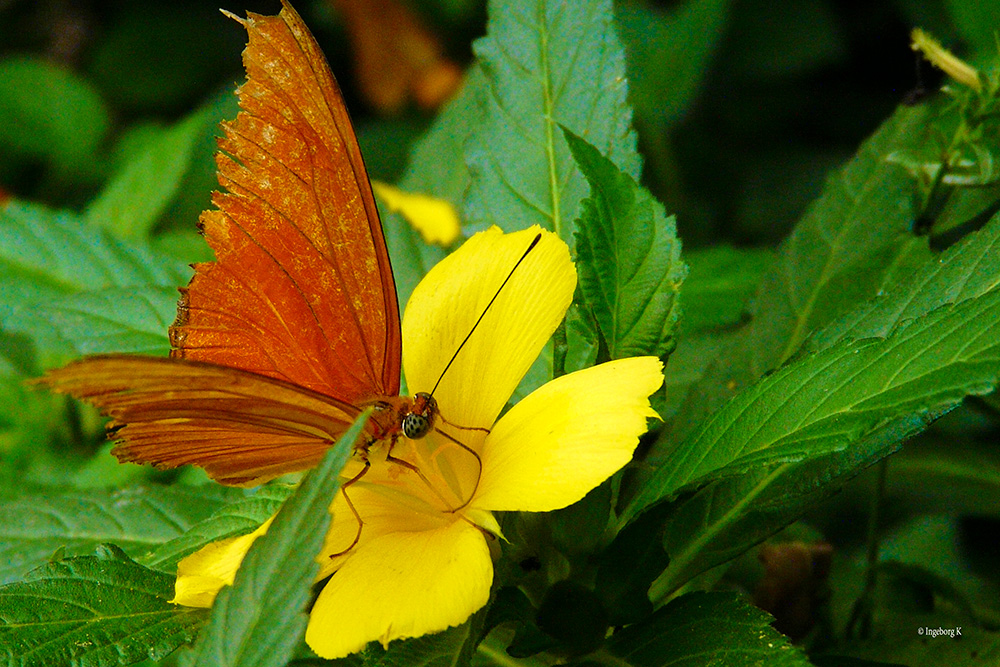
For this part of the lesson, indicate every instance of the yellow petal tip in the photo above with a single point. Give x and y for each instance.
(435, 219)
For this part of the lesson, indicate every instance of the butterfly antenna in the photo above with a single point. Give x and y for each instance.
(531, 247)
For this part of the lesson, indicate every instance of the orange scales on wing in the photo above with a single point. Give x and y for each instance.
(283, 340)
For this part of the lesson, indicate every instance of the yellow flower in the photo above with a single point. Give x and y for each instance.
(418, 560)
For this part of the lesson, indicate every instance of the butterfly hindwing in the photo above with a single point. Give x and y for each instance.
(242, 428)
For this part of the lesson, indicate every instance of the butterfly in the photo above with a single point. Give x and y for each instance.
(283, 340)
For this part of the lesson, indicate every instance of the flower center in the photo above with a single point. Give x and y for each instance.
(412, 485)
(440, 472)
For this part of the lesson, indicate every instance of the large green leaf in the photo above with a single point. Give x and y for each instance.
(830, 400)
(629, 258)
(261, 618)
(705, 629)
(117, 319)
(138, 194)
(966, 270)
(92, 611)
(852, 243)
(545, 63)
(45, 254)
(137, 519)
(730, 515)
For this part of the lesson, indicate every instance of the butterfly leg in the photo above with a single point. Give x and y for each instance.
(479, 460)
(350, 504)
(409, 466)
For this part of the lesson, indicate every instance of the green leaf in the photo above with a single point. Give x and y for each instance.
(629, 258)
(138, 194)
(728, 516)
(49, 112)
(44, 254)
(705, 629)
(261, 618)
(846, 249)
(237, 518)
(450, 648)
(119, 319)
(668, 54)
(719, 285)
(92, 611)
(830, 400)
(966, 270)
(546, 63)
(137, 519)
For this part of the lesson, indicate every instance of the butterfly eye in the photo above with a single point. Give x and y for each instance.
(415, 426)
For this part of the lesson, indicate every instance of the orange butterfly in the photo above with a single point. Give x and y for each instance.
(283, 340)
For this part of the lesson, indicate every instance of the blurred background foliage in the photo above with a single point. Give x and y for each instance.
(742, 106)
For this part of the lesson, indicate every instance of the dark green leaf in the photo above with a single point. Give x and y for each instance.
(719, 285)
(451, 648)
(968, 269)
(237, 518)
(546, 63)
(845, 250)
(668, 53)
(629, 258)
(92, 611)
(136, 519)
(628, 566)
(830, 400)
(261, 618)
(705, 629)
(140, 191)
(730, 515)
(47, 111)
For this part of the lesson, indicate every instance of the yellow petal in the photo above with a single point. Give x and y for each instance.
(435, 219)
(454, 294)
(402, 585)
(568, 436)
(381, 510)
(202, 575)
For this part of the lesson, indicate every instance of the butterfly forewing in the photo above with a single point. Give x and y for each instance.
(281, 341)
(302, 289)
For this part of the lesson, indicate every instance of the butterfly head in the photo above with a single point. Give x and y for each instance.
(420, 419)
